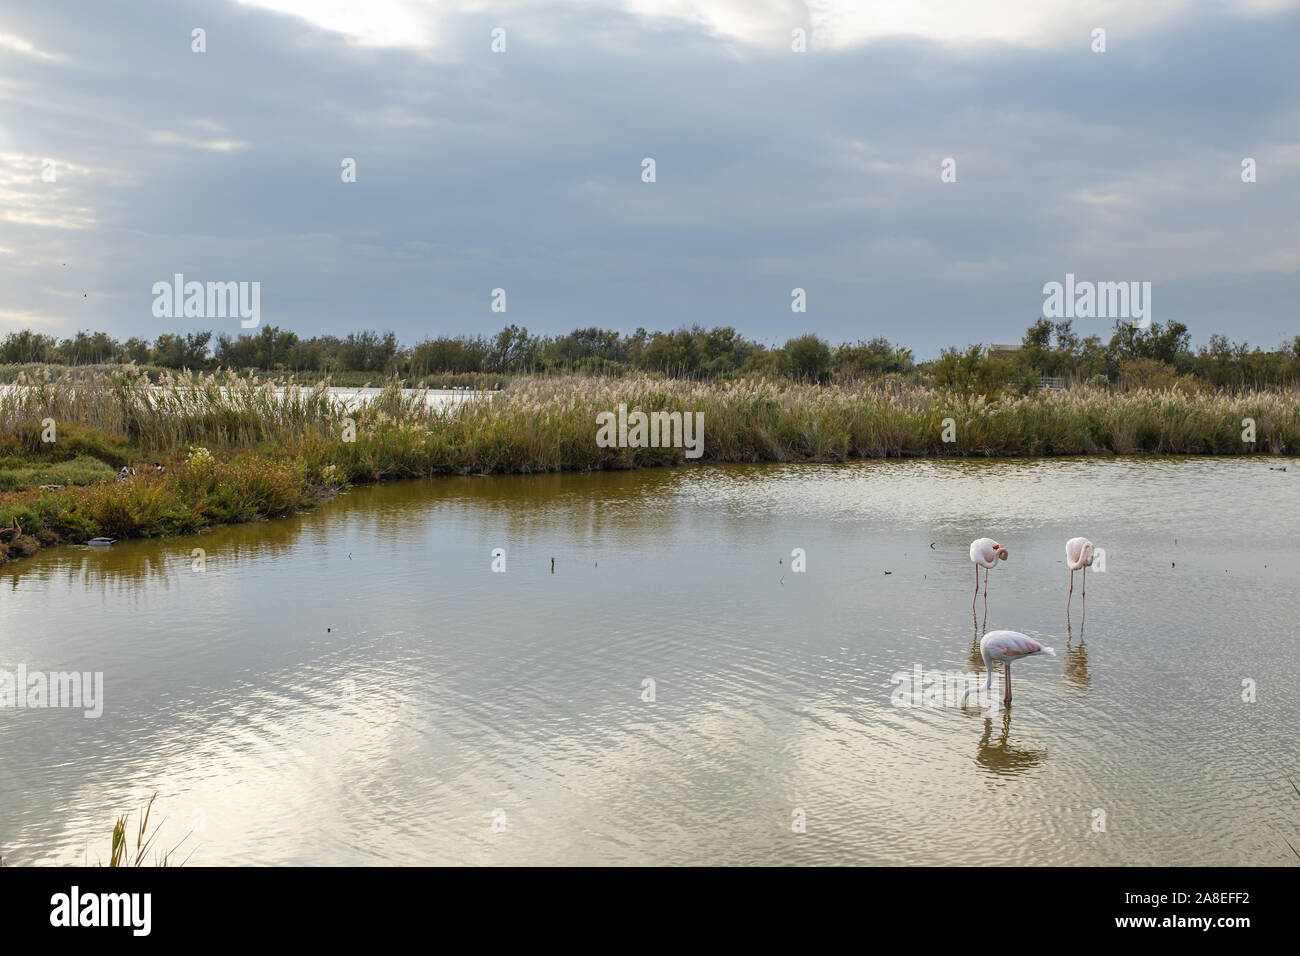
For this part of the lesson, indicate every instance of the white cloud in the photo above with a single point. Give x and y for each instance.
(27, 200)
(375, 22)
(834, 24)
(15, 320)
(22, 47)
(168, 138)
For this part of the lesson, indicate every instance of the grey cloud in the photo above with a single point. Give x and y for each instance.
(523, 171)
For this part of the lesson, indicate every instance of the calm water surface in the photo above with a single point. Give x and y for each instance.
(357, 686)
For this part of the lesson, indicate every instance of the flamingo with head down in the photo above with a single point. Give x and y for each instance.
(1005, 646)
(985, 553)
(1078, 554)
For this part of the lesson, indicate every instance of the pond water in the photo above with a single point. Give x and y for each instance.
(357, 685)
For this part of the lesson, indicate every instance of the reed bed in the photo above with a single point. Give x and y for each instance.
(237, 448)
(123, 854)
(551, 423)
(548, 424)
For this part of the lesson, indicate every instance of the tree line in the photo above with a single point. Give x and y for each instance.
(684, 353)
(1155, 356)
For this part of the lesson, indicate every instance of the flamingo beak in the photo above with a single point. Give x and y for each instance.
(1002, 554)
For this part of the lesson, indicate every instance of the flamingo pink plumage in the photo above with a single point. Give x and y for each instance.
(1078, 554)
(985, 553)
(1005, 646)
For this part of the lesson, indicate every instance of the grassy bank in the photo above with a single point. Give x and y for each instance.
(235, 450)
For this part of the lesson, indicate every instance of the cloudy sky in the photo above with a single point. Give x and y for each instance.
(774, 169)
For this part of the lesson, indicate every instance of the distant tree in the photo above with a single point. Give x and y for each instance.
(874, 358)
(448, 355)
(808, 358)
(27, 346)
(137, 350)
(513, 350)
(86, 348)
(182, 350)
(673, 353)
(368, 352)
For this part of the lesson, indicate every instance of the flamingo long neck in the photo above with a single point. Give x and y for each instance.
(988, 678)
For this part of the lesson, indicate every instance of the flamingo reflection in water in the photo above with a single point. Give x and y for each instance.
(1000, 755)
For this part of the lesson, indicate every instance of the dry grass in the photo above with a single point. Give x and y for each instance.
(277, 450)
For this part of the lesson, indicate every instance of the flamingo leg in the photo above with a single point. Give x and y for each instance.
(986, 589)
(977, 587)
(1085, 582)
(1007, 665)
(1071, 597)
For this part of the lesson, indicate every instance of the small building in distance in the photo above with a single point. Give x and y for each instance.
(1051, 383)
(1001, 350)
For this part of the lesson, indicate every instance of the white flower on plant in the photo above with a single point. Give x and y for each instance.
(198, 456)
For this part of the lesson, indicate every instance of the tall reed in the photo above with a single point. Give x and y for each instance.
(548, 424)
(277, 449)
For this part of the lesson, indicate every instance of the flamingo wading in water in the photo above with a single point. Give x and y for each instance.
(1078, 555)
(985, 553)
(1005, 646)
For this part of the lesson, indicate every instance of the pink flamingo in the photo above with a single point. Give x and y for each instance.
(1078, 554)
(1005, 646)
(986, 553)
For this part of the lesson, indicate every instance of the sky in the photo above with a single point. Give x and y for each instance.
(126, 157)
